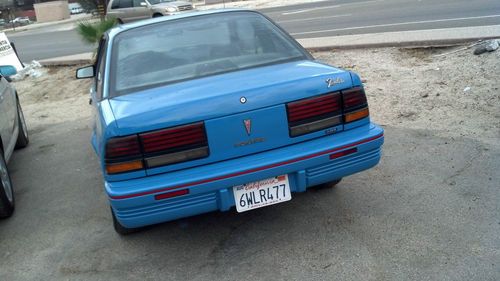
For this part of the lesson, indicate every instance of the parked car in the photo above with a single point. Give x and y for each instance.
(21, 21)
(13, 134)
(75, 8)
(210, 110)
(131, 10)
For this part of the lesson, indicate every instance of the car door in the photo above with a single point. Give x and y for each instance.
(129, 10)
(8, 114)
(3, 117)
(141, 12)
(96, 91)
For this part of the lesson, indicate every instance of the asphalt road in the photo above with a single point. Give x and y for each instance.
(413, 217)
(328, 18)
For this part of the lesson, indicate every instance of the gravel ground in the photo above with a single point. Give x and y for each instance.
(428, 211)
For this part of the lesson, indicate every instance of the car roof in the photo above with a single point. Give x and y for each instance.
(124, 27)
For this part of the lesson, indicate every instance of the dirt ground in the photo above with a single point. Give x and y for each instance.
(455, 94)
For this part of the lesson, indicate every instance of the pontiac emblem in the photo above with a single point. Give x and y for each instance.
(248, 126)
(332, 82)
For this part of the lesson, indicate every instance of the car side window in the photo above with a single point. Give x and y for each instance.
(137, 3)
(116, 4)
(100, 64)
(126, 4)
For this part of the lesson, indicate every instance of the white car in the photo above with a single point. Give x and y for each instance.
(125, 11)
(75, 8)
(21, 20)
(13, 134)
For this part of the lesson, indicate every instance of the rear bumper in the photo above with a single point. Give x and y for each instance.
(210, 186)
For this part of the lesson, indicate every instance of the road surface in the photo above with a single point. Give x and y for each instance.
(328, 18)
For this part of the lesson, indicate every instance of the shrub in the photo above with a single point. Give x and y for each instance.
(91, 32)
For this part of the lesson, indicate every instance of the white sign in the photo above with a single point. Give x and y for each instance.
(7, 54)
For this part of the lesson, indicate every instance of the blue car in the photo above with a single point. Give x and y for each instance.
(218, 109)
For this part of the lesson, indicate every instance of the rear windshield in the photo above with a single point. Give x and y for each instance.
(195, 47)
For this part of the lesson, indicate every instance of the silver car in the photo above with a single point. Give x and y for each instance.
(132, 10)
(13, 134)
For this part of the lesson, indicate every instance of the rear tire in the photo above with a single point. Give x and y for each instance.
(120, 229)
(157, 15)
(330, 184)
(7, 204)
(22, 138)
(119, 21)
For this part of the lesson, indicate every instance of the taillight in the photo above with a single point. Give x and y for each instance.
(175, 145)
(174, 138)
(313, 114)
(158, 148)
(123, 155)
(355, 104)
(321, 112)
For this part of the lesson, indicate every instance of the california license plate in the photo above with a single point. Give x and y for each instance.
(262, 193)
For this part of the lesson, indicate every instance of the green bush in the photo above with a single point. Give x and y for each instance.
(91, 32)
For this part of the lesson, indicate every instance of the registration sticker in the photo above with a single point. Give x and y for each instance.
(262, 193)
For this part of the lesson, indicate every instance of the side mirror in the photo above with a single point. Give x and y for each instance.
(7, 70)
(85, 72)
(143, 4)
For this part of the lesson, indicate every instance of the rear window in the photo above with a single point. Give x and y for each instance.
(195, 47)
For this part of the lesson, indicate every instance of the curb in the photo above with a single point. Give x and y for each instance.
(416, 39)
(407, 44)
(72, 60)
(65, 62)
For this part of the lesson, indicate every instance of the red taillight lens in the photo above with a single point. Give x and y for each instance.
(123, 147)
(177, 137)
(314, 114)
(314, 107)
(354, 98)
(175, 145)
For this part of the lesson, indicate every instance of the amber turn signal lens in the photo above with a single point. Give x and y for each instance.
(123, 167)
(356, 115)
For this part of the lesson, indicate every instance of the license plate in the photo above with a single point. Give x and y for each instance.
(262, 193)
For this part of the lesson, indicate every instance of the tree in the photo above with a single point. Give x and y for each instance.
(91, 32)
(88, 6)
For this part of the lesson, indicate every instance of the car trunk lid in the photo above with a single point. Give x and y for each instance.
(243, 112)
